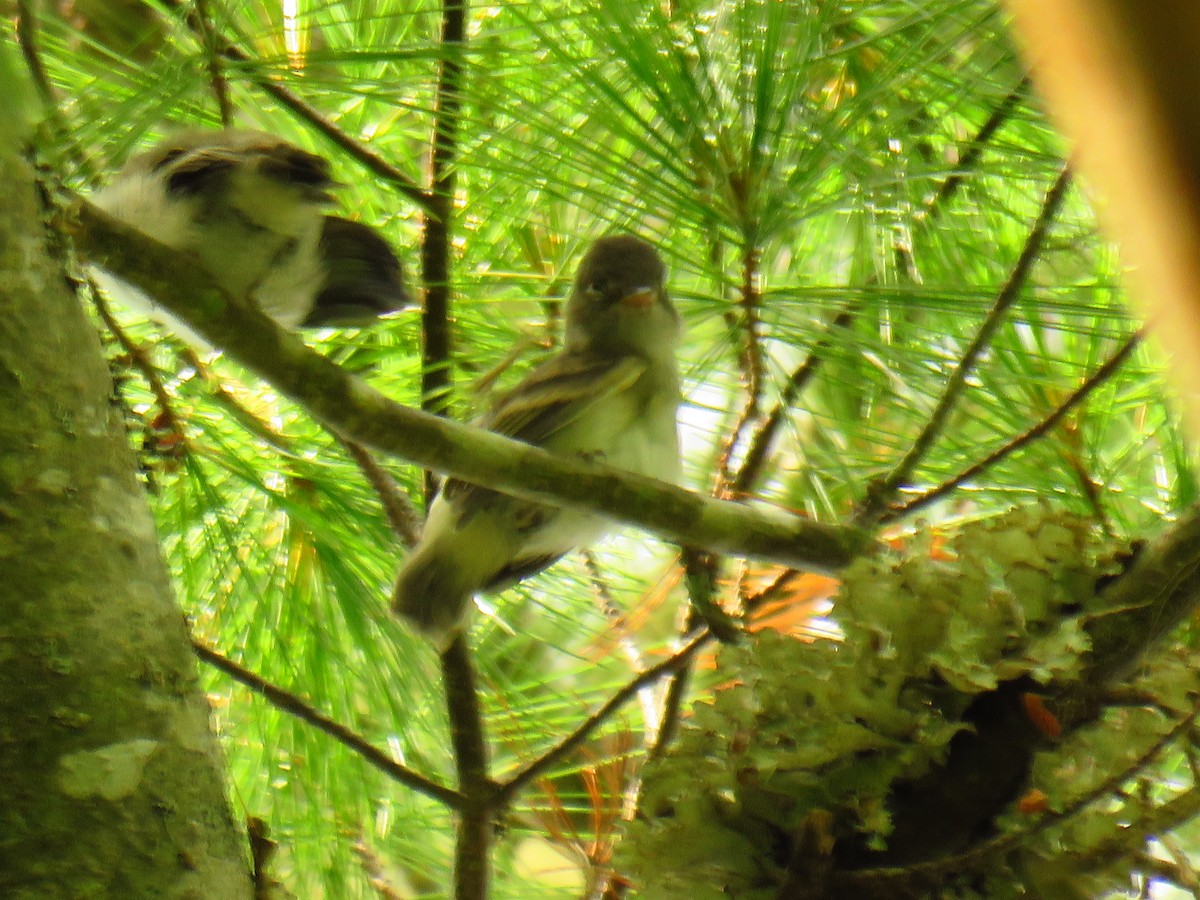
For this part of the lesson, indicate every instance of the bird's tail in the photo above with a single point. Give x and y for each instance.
(434, 594)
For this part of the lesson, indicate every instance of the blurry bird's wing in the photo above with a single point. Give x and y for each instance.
(363, 277)
(553, 396)
(198, 170)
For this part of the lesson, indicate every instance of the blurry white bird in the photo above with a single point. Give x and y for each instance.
(611, 394)
(250, 207)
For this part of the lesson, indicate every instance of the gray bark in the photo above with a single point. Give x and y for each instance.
(111, 784)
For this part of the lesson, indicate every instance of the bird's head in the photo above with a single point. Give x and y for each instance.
(619, 302)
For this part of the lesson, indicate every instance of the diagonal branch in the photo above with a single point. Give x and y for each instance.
(763, 441)
(141, 362)
(294, 706)
(511, 786)
(975, 149)
(677, 662)
(1077, 397)
(880, 494)
(401, 514)
(480, 457)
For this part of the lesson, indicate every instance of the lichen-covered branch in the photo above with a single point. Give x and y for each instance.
(1159, 591)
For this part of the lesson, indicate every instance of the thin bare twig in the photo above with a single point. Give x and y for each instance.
(215, 70)
(1077, 397)
(672, 711)
(880, 494)
(509, 788)
(376, 871)
(750, 360)
(402, 515)
(253, 423)
(27, 37)
(294, 706)
(141, 362)
(700, 577)
(761, 444)
(477, 811)
(612, 612)
(975, 149)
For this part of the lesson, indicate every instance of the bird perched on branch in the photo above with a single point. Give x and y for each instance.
(251, 207)
(610, 395)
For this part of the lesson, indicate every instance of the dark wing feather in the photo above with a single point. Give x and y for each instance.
(199, 170)
(363, 277)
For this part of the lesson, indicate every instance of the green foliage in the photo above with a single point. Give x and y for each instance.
(786, 157)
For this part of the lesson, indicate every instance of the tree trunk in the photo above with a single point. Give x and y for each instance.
(111, 784)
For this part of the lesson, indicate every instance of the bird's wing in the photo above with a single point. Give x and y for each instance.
(551, 397)
(363, 277)
(557, 392)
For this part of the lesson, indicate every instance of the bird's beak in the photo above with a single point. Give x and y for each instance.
(640, 298)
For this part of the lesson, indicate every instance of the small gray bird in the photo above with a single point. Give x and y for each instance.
(251, 207)
(611, 394)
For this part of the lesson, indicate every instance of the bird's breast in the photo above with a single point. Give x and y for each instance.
(634, 429)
